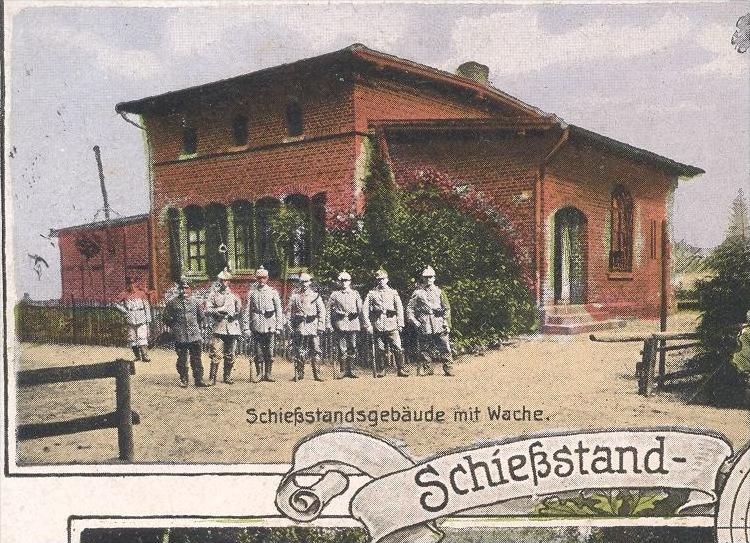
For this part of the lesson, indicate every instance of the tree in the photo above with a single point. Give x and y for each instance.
(739, 225)
(432, 222)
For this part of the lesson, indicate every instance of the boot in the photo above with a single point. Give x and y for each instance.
(299, 370)
(259, 369)
(316, 369)
(144, 353)
(136, 352)
(228, 373)
(183, 380)
(349, 369)
(267, 374)
(212, 372)
(199, 382)
(448, 367)
(401, 371)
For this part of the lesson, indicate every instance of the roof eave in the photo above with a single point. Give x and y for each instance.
(685, 171)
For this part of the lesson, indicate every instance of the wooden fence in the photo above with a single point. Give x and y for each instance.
(123, 418)
(92, 323)
(652, 369)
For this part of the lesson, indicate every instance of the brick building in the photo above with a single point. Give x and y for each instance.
(587, 209)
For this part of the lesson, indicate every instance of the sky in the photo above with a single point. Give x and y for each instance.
(660, 76)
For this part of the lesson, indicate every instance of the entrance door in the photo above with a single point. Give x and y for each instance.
(570, 256)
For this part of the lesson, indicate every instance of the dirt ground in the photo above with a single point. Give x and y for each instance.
(576, 383)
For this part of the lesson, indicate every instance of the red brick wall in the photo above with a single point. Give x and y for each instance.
(123, 252)
(584, 178)
(380, 98)
(326, 103)
(503, 168)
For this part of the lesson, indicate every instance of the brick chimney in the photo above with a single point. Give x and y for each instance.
(474, 71)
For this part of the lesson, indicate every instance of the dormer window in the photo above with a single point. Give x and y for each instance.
(189, 138)
(294, 119)
(239, 130)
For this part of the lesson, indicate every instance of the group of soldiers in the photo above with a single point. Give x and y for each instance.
(345, 313)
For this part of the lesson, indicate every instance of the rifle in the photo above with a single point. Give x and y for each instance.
(371, 338)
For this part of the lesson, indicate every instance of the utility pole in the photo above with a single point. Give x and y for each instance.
(98, 156)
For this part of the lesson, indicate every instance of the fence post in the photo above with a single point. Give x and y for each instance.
(124, 411)
(664, 305)
(650, 365)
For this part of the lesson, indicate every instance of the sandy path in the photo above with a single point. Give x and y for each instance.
(575, 382)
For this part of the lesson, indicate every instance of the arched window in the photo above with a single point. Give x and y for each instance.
(299, 237)
(239, 130)
(242, 213)
(294, 119)
(621, 242)
(195, 226)
(265, 211)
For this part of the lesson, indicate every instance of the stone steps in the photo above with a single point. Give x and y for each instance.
(577, 319)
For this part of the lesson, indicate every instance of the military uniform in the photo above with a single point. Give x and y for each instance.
(307, 318)
(262, 318)
(346, 320)
(137, 310)
(184, 316)
(383, 314)
(226, 309)
(429, 312)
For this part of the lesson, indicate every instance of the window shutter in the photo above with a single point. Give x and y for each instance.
(173, 218)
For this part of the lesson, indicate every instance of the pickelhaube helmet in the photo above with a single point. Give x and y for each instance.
(224, 274)
(305, 277)
(381, 274)
(428, 272)
(344, 276)
(261, 272)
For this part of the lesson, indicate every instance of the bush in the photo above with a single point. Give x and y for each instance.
(724, 300)
(432, 223)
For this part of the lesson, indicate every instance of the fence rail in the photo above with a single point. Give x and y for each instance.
(123, 418)
(97, 323)
(651, 370)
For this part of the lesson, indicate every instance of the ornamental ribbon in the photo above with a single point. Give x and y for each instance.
(403, 498)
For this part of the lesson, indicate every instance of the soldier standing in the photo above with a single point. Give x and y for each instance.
(262, 319)
(184, 316)
(383, 315)
(345, 319)
(225, 308)
(133, 303)
(428, 310)
(307, 318)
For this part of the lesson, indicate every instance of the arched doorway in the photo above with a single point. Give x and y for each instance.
(570, 256)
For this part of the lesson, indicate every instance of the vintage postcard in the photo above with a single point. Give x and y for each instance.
(389, 271)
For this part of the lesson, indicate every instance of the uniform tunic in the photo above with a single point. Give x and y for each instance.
(428, 310)
(383, 310)
(184, 316)
(345, 310)
(262, 313)
(307, 313)
(228, 303)
(134, 305)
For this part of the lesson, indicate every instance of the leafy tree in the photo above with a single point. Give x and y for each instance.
(739, 225)
(431, 223)
(724, 300)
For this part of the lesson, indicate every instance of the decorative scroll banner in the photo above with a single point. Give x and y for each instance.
(404, 498)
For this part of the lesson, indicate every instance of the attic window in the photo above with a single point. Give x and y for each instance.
(239, 130)
(189, 138)
(294, 119)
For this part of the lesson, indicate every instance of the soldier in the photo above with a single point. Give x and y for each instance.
(262, 318)
(133, 303)
(741, 357)
(383, 315)
(225, 308)
(307, 318)
(428, 310)
(184, 316)
(345, 318)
